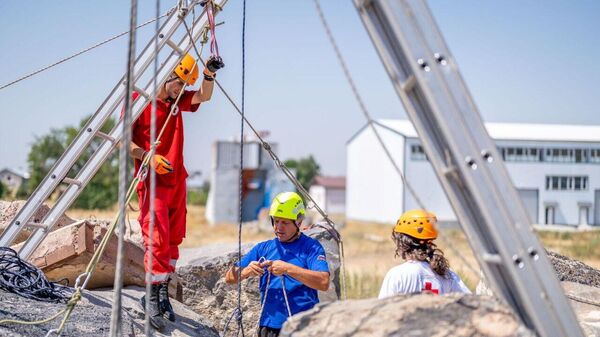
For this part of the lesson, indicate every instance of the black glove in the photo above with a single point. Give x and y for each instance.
(214, 63)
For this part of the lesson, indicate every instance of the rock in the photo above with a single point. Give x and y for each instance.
(408, 315)
(566, 269)
(9, 209)
(581, 284)
(571, 270)
(202, 286)
(91, 316)
(326, 238)
(585, 300)
(66, 252)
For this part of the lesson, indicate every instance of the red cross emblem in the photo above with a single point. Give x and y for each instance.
(429, 289)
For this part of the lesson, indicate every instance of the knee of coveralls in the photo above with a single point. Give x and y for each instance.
(161, 254)
(177, 221)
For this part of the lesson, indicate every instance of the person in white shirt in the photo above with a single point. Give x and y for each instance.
(426, 269)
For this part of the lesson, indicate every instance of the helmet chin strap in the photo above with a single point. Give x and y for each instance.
(169, 99)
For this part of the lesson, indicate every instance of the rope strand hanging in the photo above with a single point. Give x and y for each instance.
(371, 123)
(328, 225)
(83, 51)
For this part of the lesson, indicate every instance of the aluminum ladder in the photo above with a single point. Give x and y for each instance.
(467, 163)
(172, 29)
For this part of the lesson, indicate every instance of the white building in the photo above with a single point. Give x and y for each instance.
(12, 179)
(555, 168)
(329, 193)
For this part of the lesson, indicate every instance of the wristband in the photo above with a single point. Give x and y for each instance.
(208, 78)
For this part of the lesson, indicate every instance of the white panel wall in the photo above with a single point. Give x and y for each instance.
(336, 201)
(423, 180)
(373, 188)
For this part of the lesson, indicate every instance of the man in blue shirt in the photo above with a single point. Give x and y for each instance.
(291, 267)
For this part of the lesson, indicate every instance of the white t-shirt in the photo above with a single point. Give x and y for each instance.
(417, 276)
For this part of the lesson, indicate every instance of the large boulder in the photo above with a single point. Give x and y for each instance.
(202, 286)
(91, 316)
(566, 268)
(66, 252)
(571, 270)
(408, 315)
(9, 209)
(585, 300)
(581, 284)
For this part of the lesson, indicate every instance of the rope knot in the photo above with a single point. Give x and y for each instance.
(75, 298)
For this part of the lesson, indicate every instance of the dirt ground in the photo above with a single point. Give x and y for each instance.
(369, 251)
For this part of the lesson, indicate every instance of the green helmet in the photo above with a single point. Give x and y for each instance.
(287, 205)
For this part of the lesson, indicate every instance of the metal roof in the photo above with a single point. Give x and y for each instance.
(516, 131)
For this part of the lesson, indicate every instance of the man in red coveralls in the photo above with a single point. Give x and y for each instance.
(167, 161)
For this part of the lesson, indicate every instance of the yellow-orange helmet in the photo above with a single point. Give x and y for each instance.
(187, 69)
(417, 223)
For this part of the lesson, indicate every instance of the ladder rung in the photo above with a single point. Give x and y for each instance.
(105, 136)
(141, 91)
(409, 83)
(175, 47)
(36, 225)
(492, 258)
(72, 181)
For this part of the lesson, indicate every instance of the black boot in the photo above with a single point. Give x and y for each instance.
(163, 301)
(156, 319)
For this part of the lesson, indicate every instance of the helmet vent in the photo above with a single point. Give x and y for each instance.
(420, 230)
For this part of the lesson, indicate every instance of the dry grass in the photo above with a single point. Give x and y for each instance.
(369, 250)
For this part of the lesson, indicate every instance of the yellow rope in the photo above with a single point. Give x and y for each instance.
(76, 297)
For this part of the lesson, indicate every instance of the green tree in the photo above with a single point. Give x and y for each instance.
(102, 191)
(3, 190)
(198, 196)
(306, 169)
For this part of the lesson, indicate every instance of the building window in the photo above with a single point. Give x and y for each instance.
(417, 152)
(594, 156)
(520, 154)
(566, 183)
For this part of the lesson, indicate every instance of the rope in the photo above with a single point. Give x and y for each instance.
(86, 276)
(367, 115)
(264, 301)
(583, 300)
(147, 326)
(116, 319)
(24, 77)
(26, 280)
(241, 189)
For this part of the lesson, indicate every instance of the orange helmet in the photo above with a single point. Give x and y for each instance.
(186, 66)
(418, 224)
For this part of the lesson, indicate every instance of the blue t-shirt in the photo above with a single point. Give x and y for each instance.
(305, 252)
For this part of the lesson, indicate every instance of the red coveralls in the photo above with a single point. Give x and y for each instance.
(170, 199)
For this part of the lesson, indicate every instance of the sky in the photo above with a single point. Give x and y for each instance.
(526, 61)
